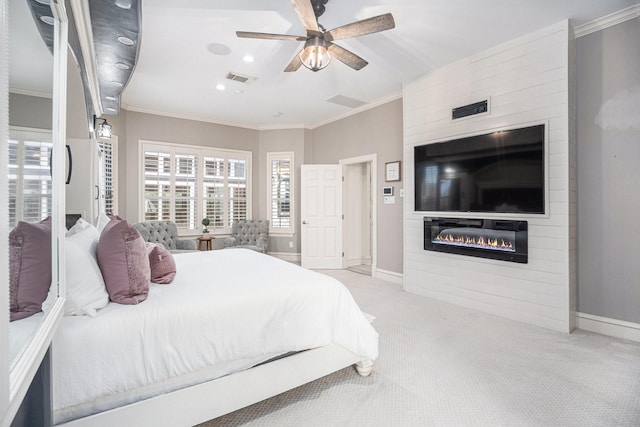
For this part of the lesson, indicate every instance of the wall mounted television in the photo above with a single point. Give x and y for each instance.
(498, 172)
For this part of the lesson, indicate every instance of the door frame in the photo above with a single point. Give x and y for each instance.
(373, 160)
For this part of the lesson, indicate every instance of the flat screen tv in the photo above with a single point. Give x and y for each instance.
(502, 171)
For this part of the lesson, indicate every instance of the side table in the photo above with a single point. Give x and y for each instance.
(207, 241)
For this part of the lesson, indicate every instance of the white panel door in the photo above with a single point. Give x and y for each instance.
(321, 216)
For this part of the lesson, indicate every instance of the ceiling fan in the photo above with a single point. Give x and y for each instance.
(319, 47)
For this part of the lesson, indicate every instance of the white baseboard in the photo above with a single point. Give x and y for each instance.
(287, 256)
(606, 326)
(388, 276)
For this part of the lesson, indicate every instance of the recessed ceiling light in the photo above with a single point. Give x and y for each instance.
(248, 58)
(117, 83)
(122, 66)
(123, 4)
(238, 91)
(218, 49)
(126, 41)
(277, 114)
(220, 86)
(110, 98)
(47, 20)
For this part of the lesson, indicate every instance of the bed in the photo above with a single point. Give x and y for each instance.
(235, 327)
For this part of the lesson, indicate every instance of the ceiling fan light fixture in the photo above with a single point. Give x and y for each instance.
(315, 55)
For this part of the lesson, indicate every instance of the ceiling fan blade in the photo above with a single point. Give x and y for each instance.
(269, 36)
(295, 63)
(305, 13)
(360, 28)
(347, 57)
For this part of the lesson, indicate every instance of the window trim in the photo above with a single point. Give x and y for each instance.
(201, 151)
(282, 231)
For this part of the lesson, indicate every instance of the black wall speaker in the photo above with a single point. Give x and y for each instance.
(469, 110)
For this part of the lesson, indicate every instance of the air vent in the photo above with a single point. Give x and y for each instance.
(345, 101)
(240, 78)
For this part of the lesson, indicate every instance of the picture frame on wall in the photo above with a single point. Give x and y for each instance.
(392, 171)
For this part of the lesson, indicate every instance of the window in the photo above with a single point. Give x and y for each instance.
(187, 183)
(29, 176)
(280, 202)
(109, 174)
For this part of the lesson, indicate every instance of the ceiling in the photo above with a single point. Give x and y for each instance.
(187, 48)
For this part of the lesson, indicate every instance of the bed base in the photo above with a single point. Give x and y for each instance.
(203, 402)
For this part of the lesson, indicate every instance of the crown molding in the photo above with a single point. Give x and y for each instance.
(186, 117)
(381, 101)
(607, 21)
(27, 92)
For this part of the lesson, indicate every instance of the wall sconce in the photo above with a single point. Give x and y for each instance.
(103, 130)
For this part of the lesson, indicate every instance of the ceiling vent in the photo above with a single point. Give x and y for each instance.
(345, 101)
(240, 78)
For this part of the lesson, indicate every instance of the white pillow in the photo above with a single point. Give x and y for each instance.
(101, 222)
(86, 292)
(80, 225)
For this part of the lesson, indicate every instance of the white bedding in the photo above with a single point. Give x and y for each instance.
(225, 311)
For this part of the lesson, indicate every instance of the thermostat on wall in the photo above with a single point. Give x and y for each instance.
(387, 191)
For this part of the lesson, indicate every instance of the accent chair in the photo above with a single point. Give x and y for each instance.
(249, 234)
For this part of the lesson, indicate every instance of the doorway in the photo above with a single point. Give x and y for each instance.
(358, 201)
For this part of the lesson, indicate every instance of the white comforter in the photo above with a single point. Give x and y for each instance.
(225, 311)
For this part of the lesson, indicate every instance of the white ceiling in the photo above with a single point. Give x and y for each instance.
(30, 62)
(177, 74)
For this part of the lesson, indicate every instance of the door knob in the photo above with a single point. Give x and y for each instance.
(304, 222)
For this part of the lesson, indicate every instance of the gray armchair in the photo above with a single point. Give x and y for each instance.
(250, 234)
(166, 234)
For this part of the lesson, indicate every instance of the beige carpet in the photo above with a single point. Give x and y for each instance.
(443, 365)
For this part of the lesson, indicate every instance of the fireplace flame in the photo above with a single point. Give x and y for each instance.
(475, 242)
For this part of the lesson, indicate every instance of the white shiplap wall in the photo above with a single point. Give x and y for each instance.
(528, 81)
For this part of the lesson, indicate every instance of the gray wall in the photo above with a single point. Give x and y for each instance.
(378, 130)
(30, 111)
(141, 126)
(608, 151)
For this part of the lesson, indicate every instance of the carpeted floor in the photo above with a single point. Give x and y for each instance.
(444, 365)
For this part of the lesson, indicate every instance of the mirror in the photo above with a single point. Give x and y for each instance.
(33, 167)
(30, 141)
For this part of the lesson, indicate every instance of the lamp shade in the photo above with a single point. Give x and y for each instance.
(315, 55)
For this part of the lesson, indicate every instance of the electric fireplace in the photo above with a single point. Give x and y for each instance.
(486, 238)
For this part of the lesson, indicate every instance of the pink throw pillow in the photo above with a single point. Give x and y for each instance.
(29, 267)
(123, 260)
(163, 266)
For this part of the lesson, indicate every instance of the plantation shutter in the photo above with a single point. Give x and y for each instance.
(237, 185)
(213, 191)
(157, 186)
(280, 193)
(186, 175)
(186, 184)
(107, 180)
(29, 176)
